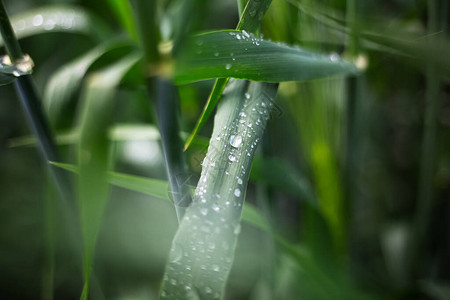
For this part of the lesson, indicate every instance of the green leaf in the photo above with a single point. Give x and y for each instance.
(214, 97)
(203, 248)
(242, 55)
(58, 18)
(124, 13)
(250, 21)
(159, 189)
(66, 82)
(93, 187)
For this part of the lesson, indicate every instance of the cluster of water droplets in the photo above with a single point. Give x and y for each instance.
(245, 36)
(23, 66)
(67, 19)
(204, 246)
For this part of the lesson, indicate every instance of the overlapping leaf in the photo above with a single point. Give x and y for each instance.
(158, 188)
(250, 21)
(241, 55)
(66, 82)
(93, 153)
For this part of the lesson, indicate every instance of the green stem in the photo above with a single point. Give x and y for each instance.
(145, 14)
(351, 17)
(167, 111)
(354, 123)
(166, 107)
(241, 5)
(31, 104)
(9, 38)
(427, 164)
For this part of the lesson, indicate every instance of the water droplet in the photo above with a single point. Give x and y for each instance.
(215, 207)
(215, 268)
(213, 164)
(176, 253)
(334, 57)
(204, 211)
(237, 229)
(238, 36)
(236, 141)
(208, 290)
(239, 181)
(247, 96)
(228, 66)
(38, 20)
(231, 158)
(245, 33)
(237, 192)
(173, 281)
(216, 54)
(49, 25)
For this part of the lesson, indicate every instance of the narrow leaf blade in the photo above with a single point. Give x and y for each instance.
(241, 55)
(93, 186)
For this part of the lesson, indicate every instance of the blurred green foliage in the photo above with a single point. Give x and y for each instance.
(341, 211)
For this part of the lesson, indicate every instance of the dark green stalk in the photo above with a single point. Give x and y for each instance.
(427, 164)
(9, 38)
(353, 109)
(351, 17)
(31, 104)
(168, 111)
(166, 106)
(145, 14)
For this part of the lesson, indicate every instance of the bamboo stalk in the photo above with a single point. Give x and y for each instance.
(427, 163)
(166, 105)
(31, 104)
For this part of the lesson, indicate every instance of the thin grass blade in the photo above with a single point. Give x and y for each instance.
(158, 189)
(93, 153)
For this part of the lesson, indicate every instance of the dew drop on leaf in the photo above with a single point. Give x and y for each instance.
(176, 253)
(236, 141)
